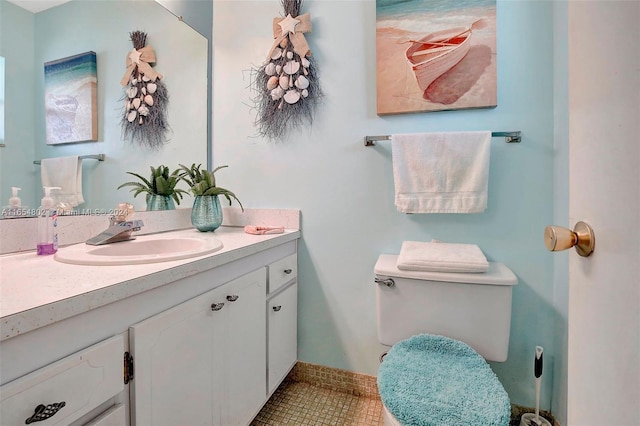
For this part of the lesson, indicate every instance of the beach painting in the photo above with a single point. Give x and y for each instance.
(70, 90)
(434, 55)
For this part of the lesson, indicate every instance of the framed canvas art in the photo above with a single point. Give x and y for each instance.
(70, 90)
(435, 55)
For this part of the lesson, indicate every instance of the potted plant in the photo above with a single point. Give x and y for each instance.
(160, 188)
(206, 214)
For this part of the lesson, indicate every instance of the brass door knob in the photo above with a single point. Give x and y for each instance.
(557, 238)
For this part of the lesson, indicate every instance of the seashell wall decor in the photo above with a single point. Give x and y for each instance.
(145, 97)
(286, 86)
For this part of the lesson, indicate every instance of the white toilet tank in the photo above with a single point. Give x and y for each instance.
(474, 308)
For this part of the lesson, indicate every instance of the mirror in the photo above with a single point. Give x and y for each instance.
(103, 27)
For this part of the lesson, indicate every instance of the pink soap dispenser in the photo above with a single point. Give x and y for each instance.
(47, 240)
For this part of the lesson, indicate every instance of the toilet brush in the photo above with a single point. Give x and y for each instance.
(534, 419)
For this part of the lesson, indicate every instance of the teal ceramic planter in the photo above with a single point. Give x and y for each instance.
(160, 202)
(206, 214)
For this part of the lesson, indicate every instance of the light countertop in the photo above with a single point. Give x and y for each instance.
(37, 290)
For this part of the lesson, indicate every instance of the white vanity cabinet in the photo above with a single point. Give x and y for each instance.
(202, 362)
(207, 345)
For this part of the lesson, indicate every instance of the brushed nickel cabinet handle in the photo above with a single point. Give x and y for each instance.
(288, 271)
(277, 308)
(217, 306)
(232, 297)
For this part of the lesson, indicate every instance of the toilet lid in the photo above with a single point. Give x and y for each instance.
(430, 380)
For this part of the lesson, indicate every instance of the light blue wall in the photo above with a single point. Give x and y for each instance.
(345, 191)
(16, 45)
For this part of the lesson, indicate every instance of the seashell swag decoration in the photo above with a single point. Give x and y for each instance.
(286, 85)
(145, 97)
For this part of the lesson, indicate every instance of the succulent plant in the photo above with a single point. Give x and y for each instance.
(203, 182)
(161, 182)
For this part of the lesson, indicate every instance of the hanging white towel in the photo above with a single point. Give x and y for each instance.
(66, 173)
(441, 257)
(441, 172)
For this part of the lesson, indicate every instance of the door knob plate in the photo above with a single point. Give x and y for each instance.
(586, 239)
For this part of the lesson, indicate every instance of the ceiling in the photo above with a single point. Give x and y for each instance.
(36, 6)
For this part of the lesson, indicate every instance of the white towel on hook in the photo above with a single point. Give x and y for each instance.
(444, 172)
(66, 173)
(441, 257)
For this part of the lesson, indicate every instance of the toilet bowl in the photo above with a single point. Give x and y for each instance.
(442, 328)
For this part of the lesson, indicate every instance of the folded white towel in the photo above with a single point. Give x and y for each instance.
(66, 173)
(441, 172)
(441, 257)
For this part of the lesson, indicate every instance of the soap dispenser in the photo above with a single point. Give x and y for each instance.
(47, 242)
(14, 209)
(14, 201)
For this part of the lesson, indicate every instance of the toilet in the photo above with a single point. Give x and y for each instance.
(443, 327)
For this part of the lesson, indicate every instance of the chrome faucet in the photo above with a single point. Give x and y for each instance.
(119, 228)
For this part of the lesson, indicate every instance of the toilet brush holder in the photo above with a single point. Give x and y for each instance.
(529, 419)
(534, 419)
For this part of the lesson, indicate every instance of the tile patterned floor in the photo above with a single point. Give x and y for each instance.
(302, 404)
(314, 395)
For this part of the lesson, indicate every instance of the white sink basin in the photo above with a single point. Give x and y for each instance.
(145, 249)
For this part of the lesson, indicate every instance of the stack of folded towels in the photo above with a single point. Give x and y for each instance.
(441, 257)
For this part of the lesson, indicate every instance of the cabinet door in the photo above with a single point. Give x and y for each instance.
(203, 361)
(243, 334)
(174, 372)
(282, 317)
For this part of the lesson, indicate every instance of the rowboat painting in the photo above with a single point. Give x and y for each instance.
(437, 53)
(434, 56)
(71, 108)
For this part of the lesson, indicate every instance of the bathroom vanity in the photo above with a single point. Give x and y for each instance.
(199, 341)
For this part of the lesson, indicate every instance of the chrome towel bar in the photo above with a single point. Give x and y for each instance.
(509, 137)
(99, 157)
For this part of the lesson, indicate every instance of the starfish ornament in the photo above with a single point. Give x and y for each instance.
(288, 24)
(135, 56)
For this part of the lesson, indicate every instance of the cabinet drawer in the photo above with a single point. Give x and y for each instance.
(282, 317)
(114, 416)
(82, 381)
(282, 271)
